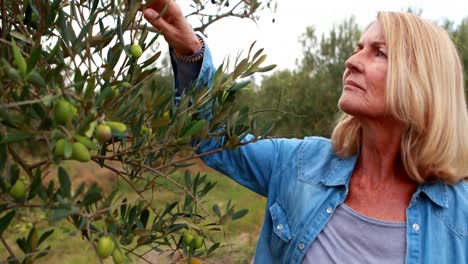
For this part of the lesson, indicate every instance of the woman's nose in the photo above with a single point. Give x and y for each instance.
(354, 63)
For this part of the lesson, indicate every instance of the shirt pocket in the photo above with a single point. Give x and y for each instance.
(454, 222)
(281, 226)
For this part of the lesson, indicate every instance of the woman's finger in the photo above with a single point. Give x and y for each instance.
(158, 22)
(157, 4)
(167, 7)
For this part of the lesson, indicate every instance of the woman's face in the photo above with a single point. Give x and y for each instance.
(365, 76)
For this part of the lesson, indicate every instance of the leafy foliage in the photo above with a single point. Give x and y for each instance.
(72, 89)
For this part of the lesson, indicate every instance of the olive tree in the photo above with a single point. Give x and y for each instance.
(77, 84)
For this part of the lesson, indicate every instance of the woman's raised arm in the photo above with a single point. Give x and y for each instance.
(173, 26)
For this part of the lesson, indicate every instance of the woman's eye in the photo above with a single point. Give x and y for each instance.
(381, 54)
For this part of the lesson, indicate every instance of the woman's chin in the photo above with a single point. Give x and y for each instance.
(348, 106)
(361, 111)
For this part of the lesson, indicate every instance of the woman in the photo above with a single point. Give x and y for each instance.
(389, 187)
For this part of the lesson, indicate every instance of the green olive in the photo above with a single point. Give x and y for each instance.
(198, 242)
(136, 51)
(116, 126)
(59, 148)
(80, 152)
(126, 84)
(188, 237)
(115, 91)
(105, 246)
(18, 190)
(103, 133)
(146, 131)
(63, 112)
(117, 256)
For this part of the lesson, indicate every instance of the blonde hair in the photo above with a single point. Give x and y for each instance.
(424, 90)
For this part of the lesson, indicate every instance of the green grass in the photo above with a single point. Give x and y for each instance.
(238, 240)
(241, 234)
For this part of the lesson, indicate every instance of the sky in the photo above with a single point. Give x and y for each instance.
(280, 39)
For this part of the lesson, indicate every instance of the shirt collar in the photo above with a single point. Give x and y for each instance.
(437, 192)
(340, 174)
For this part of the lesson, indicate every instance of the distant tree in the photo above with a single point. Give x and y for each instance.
(460, 37)
(305, 101)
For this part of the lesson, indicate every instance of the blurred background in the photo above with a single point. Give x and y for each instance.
(309, 42)
(279, 32)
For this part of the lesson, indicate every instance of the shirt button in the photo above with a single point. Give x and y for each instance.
(329, 210)
(279, 227)
(301, 246)
(415, 227)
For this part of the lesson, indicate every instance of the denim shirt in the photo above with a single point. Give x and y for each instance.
(304, 181)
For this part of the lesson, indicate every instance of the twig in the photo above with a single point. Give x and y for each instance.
(128, 151)
(38, 164)
(4, 21)
(32, 254)
(131, 185)
(275, 110)
(27, 102)
(21, 162)
(231, 13)
(202, 155)
(15, 205)
(147, 261)
(8, 247)
(178, 185)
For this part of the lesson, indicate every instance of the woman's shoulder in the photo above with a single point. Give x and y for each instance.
(310, 142)
(302, 144)
(318, 139)
(447, 195)
(317, 161)
(455, 212)
(307, 146)
(458, 193)
(318, 146)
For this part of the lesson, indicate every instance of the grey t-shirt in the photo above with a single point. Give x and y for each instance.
(350, 237)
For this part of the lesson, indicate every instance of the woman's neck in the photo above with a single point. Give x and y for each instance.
(380, 153)
(380, 187)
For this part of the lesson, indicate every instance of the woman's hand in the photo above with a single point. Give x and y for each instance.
(173, 26)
